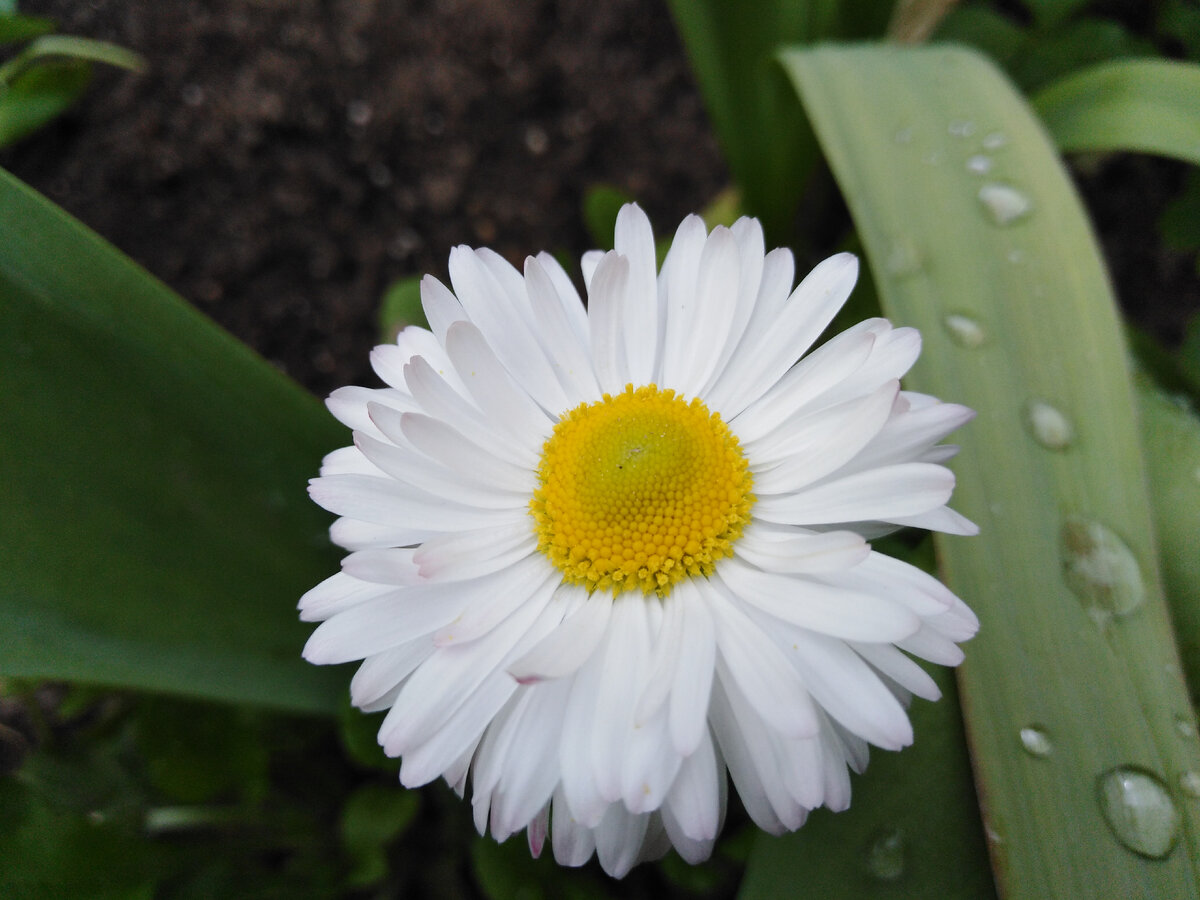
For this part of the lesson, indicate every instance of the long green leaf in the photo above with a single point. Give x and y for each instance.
(155, 531)
(1073, 689)
(1171, 434)
(1146, 105)
(40, 95)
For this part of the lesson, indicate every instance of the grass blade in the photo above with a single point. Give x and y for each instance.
(156, 533)
(1145, 105)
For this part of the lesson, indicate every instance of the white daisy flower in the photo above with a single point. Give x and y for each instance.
(602, 556)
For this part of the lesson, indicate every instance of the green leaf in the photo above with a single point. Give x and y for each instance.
(156, 533)
(1048, 13)
(14, 28)
(1145, 105)
(1171, 438)
(72, 48)
(1075, 658)
(770, 150)
(601, 204)
(40, 95)
(374, 815)
(1180, 219)
(912, 830)
(995, 34)
(400, 308)
(1083, 42)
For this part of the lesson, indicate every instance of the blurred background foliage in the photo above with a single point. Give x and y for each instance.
(159, 736)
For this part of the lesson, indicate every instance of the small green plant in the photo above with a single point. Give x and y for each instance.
(48, 74)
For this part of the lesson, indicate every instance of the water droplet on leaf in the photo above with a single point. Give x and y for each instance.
(979, 164)
(1185, 727)
(1100, 569)
(885, 855)
(964, 330)
(1004, 203)
(1048, 425)
(1189, 783)
(962, 128)
(994, 141)
(1139, 811)
(903, 259)
(1036, 742)
(903, 136)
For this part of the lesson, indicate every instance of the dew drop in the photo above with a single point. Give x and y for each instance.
(903, 136)
(979, 164)
(903, 259)
(1036, 742)
(964, 330)
(962, 128)
(1004, 203)
(1100, 569)
(1048, 425)
(1139, 811)
(994, 141)
(1189, 783)
(1016, 256)
(885, 854)
(1185, 727)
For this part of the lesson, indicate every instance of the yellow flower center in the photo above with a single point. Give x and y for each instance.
(640, 490)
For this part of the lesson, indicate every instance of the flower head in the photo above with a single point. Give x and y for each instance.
(602, 557)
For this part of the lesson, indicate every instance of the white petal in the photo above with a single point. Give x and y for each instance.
(760, 670)
(810, 309)
(680, 269)
(693, 802)
(805, 383)
(438, 399)
(587, 265)
(528, 581)
(469, 554)
(606, 308)
(337, 592)
(838, 612)
(386, 501)
(619, 839)
(907, 489)
(572, 304)
(573, 843)
(504, 404)
(442, 308)
(499, 316)
(381, 623)
(634, 239)
(568, 353)
(826, 446)
(802, 553)
(354, 534)
(570, 645)
(447, 446)
(393, 566)
(712, 310)
(691, 685)
(898, 667)
(384, 671)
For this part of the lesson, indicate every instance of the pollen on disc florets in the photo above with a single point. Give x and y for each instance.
(640, 490)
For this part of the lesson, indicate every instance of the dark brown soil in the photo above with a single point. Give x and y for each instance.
(282, 161)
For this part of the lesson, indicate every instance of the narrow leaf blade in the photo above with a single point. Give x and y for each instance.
(1146, 105)
(156, 533)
